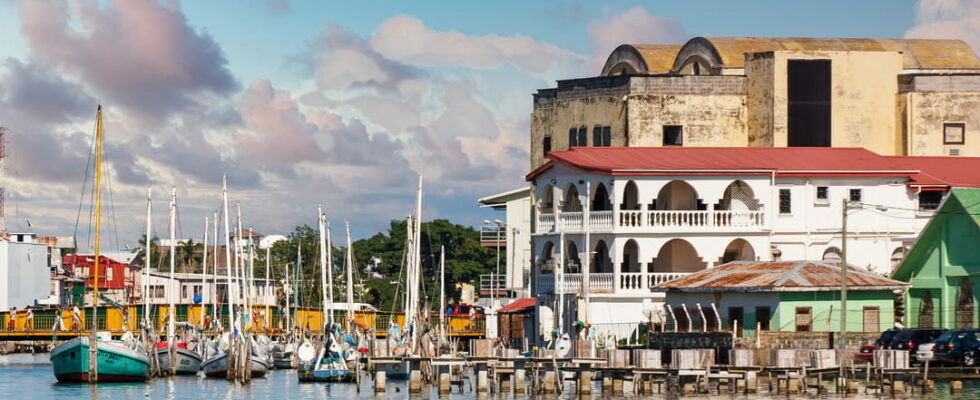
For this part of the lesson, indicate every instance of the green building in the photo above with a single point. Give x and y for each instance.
(943, 266)
(787, 296)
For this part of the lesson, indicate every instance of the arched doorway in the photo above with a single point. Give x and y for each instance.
(897, 256)
(571, 202)
(926, 310)
(738, 250)
(601, 263)
(548, 200)
(631, 197)
(678, 255)
(547, 260)
(631, 257)
(677, 195)
(600, 199)
(572, 263)
(964, 305)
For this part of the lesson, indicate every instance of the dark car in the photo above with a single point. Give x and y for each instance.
(910, 339)
(867, 351)
(953, 347)
(886, 337)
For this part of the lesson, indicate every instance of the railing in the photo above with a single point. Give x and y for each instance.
(493, 235)
(493, 282)
(604, 221)
(546, 222)
(642, 282)
(625, 282)
(574, 221)
(600, 220)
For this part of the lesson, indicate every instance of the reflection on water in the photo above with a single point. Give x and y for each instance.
(25, 375)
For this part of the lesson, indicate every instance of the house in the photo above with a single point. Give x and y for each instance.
(116, 280)
(911, 97)
(943, 266)
(514, 320)
(611, 222)
(513, 236)
(785, 296)
(24, 272)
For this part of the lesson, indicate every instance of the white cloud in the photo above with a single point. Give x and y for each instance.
(634, 26)
(948, 19)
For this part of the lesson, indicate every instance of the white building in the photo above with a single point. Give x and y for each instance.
(24, 272)
(654, 214)
(514, 236)
(185, 287)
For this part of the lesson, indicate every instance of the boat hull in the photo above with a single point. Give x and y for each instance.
(116, 362)
(395, 370)
(217, 367)
(325, 374)
(187, 362)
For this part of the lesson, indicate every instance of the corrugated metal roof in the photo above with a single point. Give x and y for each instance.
(783, 161)
(778, 276)
(519, 304)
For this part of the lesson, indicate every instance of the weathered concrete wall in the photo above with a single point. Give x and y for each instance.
(863, 88)
(711, 109)
(927, 102)
(759, 90)
(576, 106)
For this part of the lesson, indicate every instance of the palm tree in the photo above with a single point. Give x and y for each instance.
(187, 257)
(154, 248)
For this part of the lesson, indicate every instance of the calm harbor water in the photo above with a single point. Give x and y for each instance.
(30, 376)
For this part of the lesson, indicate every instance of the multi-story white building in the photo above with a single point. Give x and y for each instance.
(186, 287)
(634, 217)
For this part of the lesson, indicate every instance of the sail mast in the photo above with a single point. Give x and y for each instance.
(327, 316)
(350, 276)
(204, 268)
(228, 266)
(214, 274)
(442, 290)
(146, 263)
(93, 363)
(173, 261)
(299, 266)
(328, 253)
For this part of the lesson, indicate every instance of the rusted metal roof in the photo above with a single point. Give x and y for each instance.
(519, 305)
(642, 58)
(729, 52)
(778, 276)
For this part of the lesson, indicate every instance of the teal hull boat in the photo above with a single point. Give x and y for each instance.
(117, 362)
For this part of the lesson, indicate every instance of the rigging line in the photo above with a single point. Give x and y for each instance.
(111, 200)
(81, 199)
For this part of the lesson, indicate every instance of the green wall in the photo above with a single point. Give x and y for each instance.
(826, 308)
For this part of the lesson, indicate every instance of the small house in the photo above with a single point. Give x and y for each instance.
(943, 266)
(787, 296)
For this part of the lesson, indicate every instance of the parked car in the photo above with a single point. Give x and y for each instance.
(910, 339)
(971, 358)
(953, 349)
(465, 310)
(886, 337)
(867, 352)
(924, 352)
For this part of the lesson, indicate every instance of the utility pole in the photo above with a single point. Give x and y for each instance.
(842, 342)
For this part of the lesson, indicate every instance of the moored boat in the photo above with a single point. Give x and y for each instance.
(217, 366)
(186, 362)
(117, 361)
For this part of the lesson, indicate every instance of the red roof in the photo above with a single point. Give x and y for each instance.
(519, 304)
(778, 276)
(782, 161)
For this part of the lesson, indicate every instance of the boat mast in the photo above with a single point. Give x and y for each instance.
(242, 281)
(171, 322)
(442, 290)
(560, 279)
(93, 359)
(327, 315)
(265, 298)
(146, 263)
(328, 253)
(416, 263)
(299, 266)
(214, 275)
(204, 268)
(228, 265)
(349, 261)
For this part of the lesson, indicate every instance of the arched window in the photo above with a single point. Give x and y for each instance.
(677, 195)
(964, 305)
(571, 202)
(925, 310)
(600, 260)
(548, 200)
(600, 200)
(897, 256)
(738, 250)
(678, 255)
(831, 254)
(631, 257)
(547, 260)
(572, 263)
(631, 197)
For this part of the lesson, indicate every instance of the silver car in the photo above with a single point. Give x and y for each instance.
(924, 352)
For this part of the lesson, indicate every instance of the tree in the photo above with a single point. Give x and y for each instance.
(188, 255)
(154, 248)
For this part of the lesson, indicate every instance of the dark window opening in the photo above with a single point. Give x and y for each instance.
(572, 137)
(673, 135)
(583, 136)
(697, 69)
(855, 195)
(804, 319)
(546, 144)
(808, 95)
(929, 201)
(736, 320)
(785, 201)
(954, 133)
(607, 136)
(601, 136)
(821, 193)
(762, 318)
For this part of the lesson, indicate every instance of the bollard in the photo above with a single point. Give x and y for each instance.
(415, 381)
(379, 381)
(584, 381)
(751, 382)
(482, 384)
(549, 382)
(445, 381)
(928, 386)
(898, 387)
(955, 386)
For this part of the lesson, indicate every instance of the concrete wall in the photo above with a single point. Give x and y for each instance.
(863, 89)
(24, 274)
(760, 89)
(519, 242)
(927, 102)
(711, 110)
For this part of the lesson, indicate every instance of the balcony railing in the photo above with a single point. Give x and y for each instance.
(604, 221)
(625, 282)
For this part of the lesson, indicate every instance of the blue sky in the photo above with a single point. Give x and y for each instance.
(339, 103)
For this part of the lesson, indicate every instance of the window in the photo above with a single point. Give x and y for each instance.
(673, 135)
(572, 137)
(804, 319)
(680, 320)
(157, 292)
(871, 315)
(954, 133)
(736, 320)
(785, 201)
(762, 317)
(546, 145)
(822, 195)
(183, 292)
(808, 94)
(929, 200)
(583, 136)
(855, 195)
(601, 136)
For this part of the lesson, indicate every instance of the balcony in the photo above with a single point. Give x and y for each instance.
(607, 283)
(654, 221)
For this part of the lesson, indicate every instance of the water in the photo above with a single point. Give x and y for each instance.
(25, 375)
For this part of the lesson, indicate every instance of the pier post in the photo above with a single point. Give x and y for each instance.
(379, 381)
(606, 382)
(520, 388)
(617, 387)
(414, 377)
(928, 386)
(955, 386)
(482, 383)
(445, 380)
(550, 380)
(584, 384)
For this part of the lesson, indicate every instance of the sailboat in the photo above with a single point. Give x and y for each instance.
(330, 364)
(173, 356)
(99, 358)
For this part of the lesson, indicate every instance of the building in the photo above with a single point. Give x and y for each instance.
(117, 280)
(513, 236)
(24, 272)
(189, 288)
(785, 296)
(891, 96)
(614, 221)
(943, 266)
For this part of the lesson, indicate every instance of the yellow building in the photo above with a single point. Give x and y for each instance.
(891, 96)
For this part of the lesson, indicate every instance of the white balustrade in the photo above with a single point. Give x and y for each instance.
(672, 219)
(600, 220)
(572, 283)
(571, 221)
(546, 222)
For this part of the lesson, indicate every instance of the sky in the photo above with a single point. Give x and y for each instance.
(342, 104)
